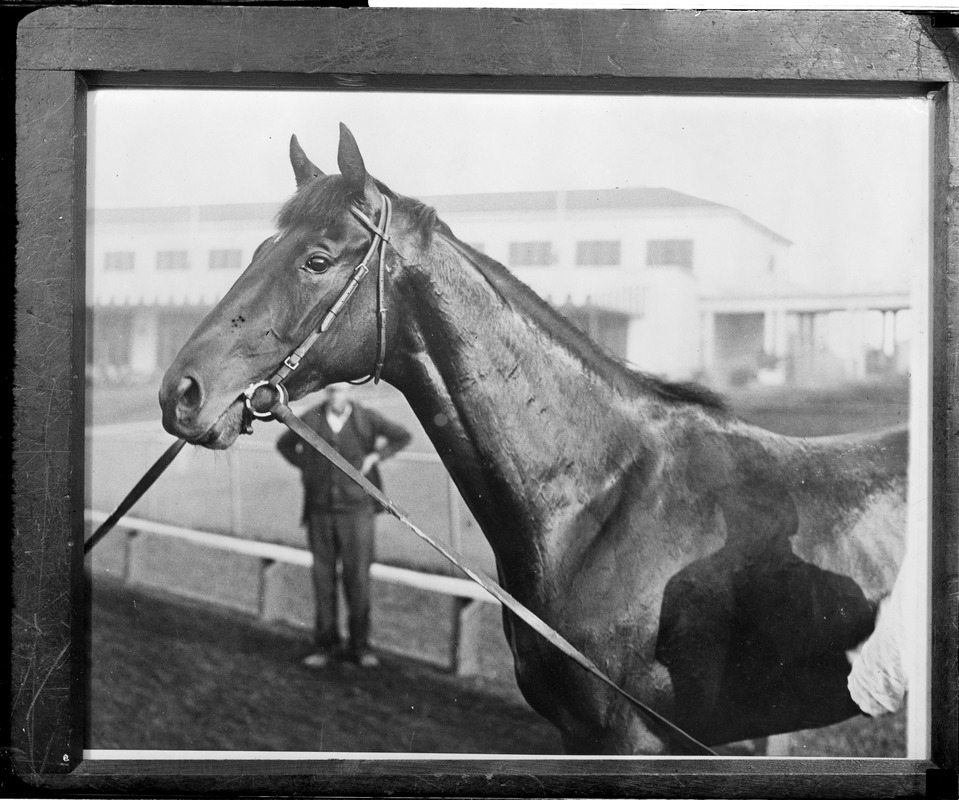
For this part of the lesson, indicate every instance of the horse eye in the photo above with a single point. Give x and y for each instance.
(317, 263)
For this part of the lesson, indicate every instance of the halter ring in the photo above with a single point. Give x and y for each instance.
(250, 391)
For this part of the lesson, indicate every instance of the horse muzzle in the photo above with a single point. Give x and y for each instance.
(188, 412)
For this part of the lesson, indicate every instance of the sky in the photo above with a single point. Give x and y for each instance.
(846, 180)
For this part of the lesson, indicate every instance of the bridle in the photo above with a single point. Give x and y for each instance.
(257, 407)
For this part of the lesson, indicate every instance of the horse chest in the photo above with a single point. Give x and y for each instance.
(606, 601)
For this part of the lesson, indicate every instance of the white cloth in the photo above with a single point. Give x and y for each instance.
(877, 682)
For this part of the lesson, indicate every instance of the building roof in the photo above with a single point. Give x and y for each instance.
(771, 291)
(640, 198)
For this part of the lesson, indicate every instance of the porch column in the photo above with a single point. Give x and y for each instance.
(857, 345)
(770, 322)
(888, 332)
(774, 332)
(707, 341)
(143, 341)
(781, 343)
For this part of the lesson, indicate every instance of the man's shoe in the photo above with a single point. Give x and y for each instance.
(317, 660)
(367, 660)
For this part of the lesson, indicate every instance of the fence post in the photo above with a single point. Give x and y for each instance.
(454, 511)
(128, 548)
(236, 510)
(265, 564)
(456, 629)
(466, 627)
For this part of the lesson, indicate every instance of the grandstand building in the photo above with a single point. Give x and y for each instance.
(677, 285)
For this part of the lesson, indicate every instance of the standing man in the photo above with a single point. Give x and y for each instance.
(339, 515)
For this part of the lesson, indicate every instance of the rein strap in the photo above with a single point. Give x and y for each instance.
(279, 410)
(148, 479)
(285, 414)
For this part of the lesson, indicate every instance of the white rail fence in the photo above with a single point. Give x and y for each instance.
(451, 622)
(249, 492)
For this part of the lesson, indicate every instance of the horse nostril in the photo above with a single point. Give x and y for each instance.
(189, 395)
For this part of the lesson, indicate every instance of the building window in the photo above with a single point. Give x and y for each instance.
(109, 339)
(597, 254)
(670, 253)
(174, 326)
(117, 262)
(225, 259)
(172, 259)
(530, 254)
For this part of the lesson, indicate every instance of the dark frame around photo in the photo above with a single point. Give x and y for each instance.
(63, 52)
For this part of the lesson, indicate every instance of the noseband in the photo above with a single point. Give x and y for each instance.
(380, 237)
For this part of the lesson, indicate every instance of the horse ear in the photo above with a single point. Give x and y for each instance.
(351, 164)
(304, 169)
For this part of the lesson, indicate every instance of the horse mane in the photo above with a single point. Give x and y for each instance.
(688, 392)
(626, 377)
(322, 202)
(622, 375)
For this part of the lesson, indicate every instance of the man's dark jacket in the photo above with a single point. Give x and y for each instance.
(325, 487)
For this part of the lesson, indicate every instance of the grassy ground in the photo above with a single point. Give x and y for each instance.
(823, 412)
(860, 737)
(796, 411)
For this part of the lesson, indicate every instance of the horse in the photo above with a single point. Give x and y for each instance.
(717, 571)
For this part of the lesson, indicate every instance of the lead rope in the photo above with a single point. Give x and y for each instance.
(282, 412)
(148, 479)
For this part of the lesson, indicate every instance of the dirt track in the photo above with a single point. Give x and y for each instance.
(169, 676)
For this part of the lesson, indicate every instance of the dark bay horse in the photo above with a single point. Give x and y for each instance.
(715, 570)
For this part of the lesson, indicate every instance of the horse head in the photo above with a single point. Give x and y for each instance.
(324, 234)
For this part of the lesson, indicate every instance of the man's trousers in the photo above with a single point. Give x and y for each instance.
(347, 538)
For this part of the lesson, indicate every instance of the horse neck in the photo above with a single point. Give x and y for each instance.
(526, 422)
